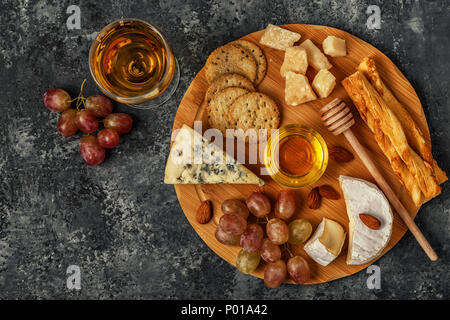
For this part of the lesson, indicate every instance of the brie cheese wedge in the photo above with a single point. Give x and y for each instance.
(363, 197)
(195, 160)
(326, 243)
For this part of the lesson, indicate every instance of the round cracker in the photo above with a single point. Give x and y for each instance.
(219, 105)
(254, 110)
(227, 81)
(230, 58)
(260, 58)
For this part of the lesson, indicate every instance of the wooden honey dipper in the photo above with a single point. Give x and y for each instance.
(338, 118)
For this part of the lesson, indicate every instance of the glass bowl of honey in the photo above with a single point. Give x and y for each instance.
(132, 62)
(296, 156)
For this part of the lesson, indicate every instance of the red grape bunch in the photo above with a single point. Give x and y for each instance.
(86, 120)
(266, 243)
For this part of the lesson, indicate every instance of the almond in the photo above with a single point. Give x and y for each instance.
(313, 200)
(370, 221)
(204, 212)
(328, 192)
(340, 154)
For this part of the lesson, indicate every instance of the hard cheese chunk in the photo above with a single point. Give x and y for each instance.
(279, 38)
(195, 160)
(316, 58)
(326, 243)
(334, 46)
(297, 89)
(295, 60)
(324, 83)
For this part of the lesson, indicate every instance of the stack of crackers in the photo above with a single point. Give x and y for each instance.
(233, 71)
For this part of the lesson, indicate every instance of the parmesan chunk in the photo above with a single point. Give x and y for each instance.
(295, 60)
(316, 58)
(297, 89)
(324, 83)
(279, 38)
(334, 46)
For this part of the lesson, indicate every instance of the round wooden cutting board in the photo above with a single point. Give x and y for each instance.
(192, 108)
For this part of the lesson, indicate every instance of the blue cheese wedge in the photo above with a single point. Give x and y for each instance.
(195, 160)
(363, 197)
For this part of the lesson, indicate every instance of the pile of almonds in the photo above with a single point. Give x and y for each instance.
(338, 154)
(315, 196)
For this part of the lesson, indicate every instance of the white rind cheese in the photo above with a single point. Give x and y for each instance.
(195, 160)
(362, 196)
(326, 243)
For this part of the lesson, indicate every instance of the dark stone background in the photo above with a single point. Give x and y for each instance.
(118, 221)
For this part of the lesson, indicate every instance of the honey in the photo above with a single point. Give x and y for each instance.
(296, 156)
(131, 58)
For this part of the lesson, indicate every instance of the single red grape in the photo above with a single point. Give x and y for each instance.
(285, 205)
(57, 100)
(258, 204)
(270, 252)
(93, 154)
(66, 123)
(233, 223)
(86, 121)
(226, 238)
(235, 206)
(275, 273)
(277, 231)
(251, 239)
(121, 122)
(108, 138)
(100, 105)
(298, 269)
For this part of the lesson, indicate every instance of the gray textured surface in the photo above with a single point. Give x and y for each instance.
(118, 221)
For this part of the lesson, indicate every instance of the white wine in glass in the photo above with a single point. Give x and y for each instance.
(132, 62)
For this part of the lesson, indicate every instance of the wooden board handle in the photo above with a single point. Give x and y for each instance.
(398, 206)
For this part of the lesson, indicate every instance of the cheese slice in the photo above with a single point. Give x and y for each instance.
(195, 160)
(365, 244)
(326, 243)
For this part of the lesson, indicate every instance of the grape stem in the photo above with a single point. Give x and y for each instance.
(288, 250)
(258, 220)
(81, 100)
